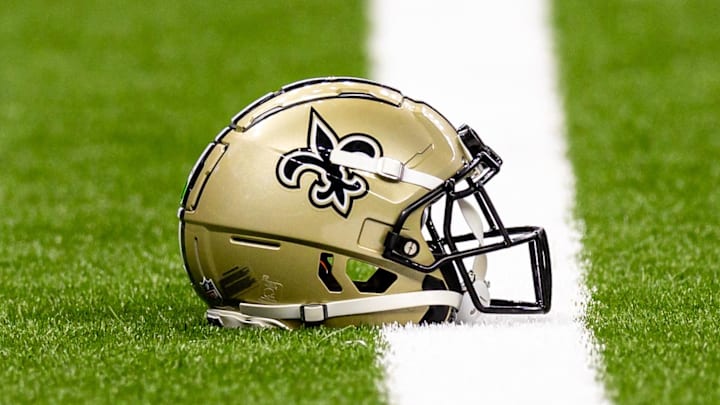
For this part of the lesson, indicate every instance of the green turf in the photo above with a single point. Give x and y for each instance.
(104, 108)
(642, 86)
(359, 271)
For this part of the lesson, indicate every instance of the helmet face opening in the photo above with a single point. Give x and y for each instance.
(465, 192)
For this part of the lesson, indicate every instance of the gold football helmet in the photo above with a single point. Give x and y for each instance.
(336, 201)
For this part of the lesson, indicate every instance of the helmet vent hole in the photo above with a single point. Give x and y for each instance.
(368, 278)
(325, 272)
(254, 243)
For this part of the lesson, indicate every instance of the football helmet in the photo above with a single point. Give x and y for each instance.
(340, 201)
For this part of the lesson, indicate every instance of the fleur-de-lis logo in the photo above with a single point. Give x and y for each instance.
(335, 186)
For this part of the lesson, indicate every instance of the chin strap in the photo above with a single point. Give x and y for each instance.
(385, 167)
(314, 313)
(230, 318)
(472, 218)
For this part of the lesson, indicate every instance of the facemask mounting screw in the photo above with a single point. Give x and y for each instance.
(411, 248)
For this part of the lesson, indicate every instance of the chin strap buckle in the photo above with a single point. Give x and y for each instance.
(313, 313)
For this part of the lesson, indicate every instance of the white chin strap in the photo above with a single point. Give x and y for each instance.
(229, 318)
(467, 313)
(387, 168)
(269, 315)
(473, 219)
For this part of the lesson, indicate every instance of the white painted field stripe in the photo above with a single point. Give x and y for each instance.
(490, 64)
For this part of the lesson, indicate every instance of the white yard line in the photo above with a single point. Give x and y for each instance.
(490, 65)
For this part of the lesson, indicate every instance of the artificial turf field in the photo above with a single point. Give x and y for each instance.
(642, 94)
(104, 109)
